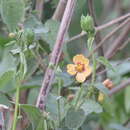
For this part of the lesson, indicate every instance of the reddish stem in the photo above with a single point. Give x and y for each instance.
(55, 56)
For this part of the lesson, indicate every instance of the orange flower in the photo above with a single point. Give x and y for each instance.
(80, 68)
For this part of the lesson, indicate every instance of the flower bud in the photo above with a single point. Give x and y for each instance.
(87, 25)
(101, 97)
(70, 97)
(108, 84)
(12, 35)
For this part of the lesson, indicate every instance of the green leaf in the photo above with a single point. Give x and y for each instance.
(127, 99)
(65, 128)
(50, 36)
(74, 118)
(91, 106)
(67, 79)
(4, 41)
(105, 62)
(40, 125)
(102, 88)
(118, 127)
(120, 69)
(5, 78)
(34, 24)
(52, 106)
(12, 12)
(7, 63)
(33, 114)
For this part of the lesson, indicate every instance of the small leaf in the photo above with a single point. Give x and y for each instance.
(12, 11)
(74, 118)
(105, 62)
(91, 106)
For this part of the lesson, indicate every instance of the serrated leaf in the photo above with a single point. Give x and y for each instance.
(91, 106)
(105, 62)
(127, 99)
(33, 114)
(12, 11)
(74, 118)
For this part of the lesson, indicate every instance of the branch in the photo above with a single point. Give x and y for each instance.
(59, 10)
(120, 87)
(124, 45)
(101, 27)
(126, 122)
(121, 62)
(115, 21)
(109, 35)
(118, 42)
(39, 8)
(49, 75)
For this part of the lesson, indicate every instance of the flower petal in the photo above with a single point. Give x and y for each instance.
(71, 69)
(80, 77)
(88, 71)
(80, 59)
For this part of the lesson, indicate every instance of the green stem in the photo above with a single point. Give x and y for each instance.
(78, 96)
(59, 112)
(59, 115)
(90, 46)
(45, 125)
(16, 107)
(94, 69)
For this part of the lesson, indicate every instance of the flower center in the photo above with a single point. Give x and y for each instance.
(79, 67)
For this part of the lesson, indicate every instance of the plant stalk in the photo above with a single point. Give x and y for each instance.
(16, 107)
